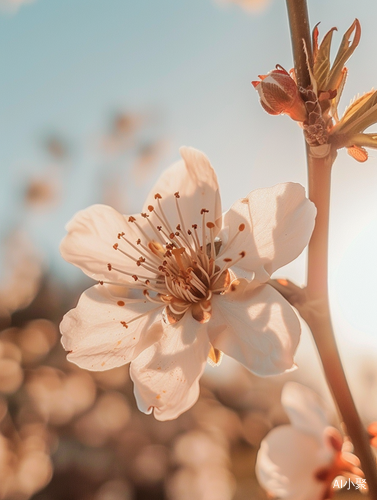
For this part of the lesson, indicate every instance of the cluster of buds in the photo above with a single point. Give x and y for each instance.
(316, 107)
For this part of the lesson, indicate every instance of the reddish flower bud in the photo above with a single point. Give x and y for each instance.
(279, 94)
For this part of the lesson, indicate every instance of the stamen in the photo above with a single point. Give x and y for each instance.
(126, 324)
(156, 231)
(152, 299)
(176, 311)
(178, 252)
(203, 212)
(241, 228)
(226, 266)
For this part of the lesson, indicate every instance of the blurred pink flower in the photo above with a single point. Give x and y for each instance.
(198, 282)
(12, 5)
(249, 5)
(301, 460)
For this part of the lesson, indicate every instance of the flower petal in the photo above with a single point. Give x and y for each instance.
(90, 241)
(305, 409)
(287, 462)
(278, 224)
(166, 375)
(105, 331)
(256, 326)
(196, 182)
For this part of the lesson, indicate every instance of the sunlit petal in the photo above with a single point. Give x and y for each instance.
(166, 375)
(257, 327)
(105, 331)
(279, 222)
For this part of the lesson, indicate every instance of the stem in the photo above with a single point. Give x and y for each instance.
(299, 23)
(316, 312)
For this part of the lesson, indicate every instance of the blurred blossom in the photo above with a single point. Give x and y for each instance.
(41, 192)
(211, 482)
(196, 291)
(254, 6)
(3, 408)
(195, 449)
(115, 490)
(56, 147)
(21, 272)
(12, 5)
(218, 420)
(204, 469)
(149, 154)
(11, 374)
(150, 464)
(25, 465)
(106, 419)
(57, 396)
(121, 132)
(36, 339)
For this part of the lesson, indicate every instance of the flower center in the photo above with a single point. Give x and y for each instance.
(180, 267)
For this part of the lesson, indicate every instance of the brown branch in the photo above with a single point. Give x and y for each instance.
(313, 302)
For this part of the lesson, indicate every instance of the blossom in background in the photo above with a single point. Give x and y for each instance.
(12, 5)
(301, 460)
(181, 283)
(249, 5)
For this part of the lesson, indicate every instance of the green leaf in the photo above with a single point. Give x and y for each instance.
(367, 140)
(361, 114)
(321, 65)
(345, 51)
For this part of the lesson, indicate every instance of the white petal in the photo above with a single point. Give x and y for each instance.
(256, 326)
(95, 332)
(306, 411)
(287, 462)
(278, 224)
(196, 181)
(89, 243)
(166, 375)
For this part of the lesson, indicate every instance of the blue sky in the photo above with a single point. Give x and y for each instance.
(66, 65)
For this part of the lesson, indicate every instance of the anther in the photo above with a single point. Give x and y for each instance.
(159, 228)
(109, 267)
(242, 254)
(204, 211)
(123, 323)
(210, 225)
(157, 196)
(227, 259)
(178, 228)
(120, 303)
(195, 226)
(144, 215)
(100, 282)
(120, 235)
(171, 236)
(115, 246)
(138, 241)
(150, 208)
(177, 194)
(131, 219)
(241, 227)
(135, 277)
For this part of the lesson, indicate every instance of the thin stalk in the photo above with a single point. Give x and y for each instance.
(317, 313)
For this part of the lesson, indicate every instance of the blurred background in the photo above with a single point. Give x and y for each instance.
(96, 98)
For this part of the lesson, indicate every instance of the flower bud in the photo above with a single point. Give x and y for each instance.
(279, 94)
